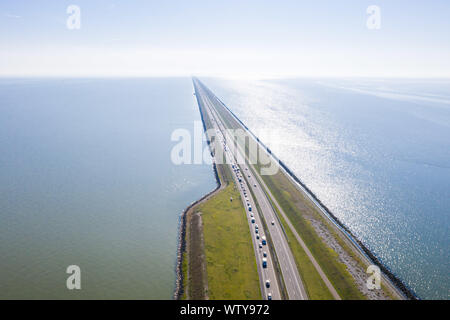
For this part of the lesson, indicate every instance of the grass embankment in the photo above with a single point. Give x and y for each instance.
(230, 259)
(314, 285)
(298, 209)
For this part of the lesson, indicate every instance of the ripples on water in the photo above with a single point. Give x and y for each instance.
(86, 179)
(376, 152)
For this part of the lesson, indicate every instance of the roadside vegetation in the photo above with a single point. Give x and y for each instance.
(314, 285)
(230, 259)
(297, 209)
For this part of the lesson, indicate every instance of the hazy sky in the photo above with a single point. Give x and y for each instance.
(225, 38)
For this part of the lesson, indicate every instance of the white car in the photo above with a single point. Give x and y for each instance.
(254, 185)
(267, 283)
(269, 296)
(273, 222)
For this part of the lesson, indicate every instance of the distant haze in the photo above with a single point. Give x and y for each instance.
(232, 38)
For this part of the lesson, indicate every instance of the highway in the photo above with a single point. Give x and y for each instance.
(267, 273)
(292, 280)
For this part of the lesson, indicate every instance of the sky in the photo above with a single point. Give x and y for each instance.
(233, 38)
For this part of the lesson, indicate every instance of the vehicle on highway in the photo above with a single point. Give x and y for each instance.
(249, 208)
(253, 220)
(267, 283)
(273, 222)
(260, 245)
(257, 237)
(256, 226)
(254, 185)
(256, 231)
(269, 296)
(263, 238)
(264, 263)
(264, 254)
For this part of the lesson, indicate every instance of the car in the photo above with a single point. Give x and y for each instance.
(269, 296)
(264, 254)
(273, 222)
(260, 245)
(256, 231)
(254, 185)
(249, 176)
(267, 283)
(257, 237)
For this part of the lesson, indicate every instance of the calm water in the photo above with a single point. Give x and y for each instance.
(376, 152)
(86, 179)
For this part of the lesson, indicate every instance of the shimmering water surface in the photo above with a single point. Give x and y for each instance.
(86, 179)
(376, 152)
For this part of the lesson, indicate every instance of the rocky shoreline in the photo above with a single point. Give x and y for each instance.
(179, 278)
(179, 285)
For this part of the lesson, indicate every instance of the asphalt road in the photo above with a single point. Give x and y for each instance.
(292, 279)
(267, 273)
